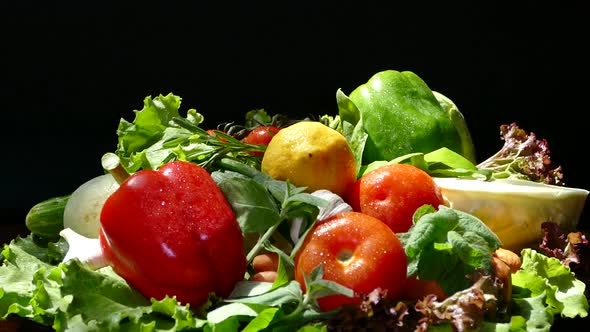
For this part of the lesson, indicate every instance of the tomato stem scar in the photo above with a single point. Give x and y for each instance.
(345, 256)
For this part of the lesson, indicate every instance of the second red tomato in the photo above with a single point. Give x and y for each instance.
(356, 251)
(392, 193)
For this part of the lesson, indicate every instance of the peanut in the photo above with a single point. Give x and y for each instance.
(510, 258)
(264, 276)
(503, 272)
(265, 262)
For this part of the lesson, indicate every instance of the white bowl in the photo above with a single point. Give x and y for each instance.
(515, 209)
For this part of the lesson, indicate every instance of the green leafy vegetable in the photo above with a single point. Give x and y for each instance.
(523, 156)
(254, 195)
(448, 245)
(277, 307)
(160, 134)
(256, 210)
(548, 277)
(72, 297)
(438, 163)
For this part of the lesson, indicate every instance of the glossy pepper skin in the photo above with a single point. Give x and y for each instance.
(172, 232)
(402, 115)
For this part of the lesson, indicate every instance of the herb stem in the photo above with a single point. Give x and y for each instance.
(260, 244)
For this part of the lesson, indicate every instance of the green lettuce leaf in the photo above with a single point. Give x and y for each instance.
(545, 276)
(71, 297)
(160, 134)
(149, 141)
(149, 123)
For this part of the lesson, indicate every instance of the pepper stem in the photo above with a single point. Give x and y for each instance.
(112, 164)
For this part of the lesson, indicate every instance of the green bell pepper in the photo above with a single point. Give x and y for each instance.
(401, 114)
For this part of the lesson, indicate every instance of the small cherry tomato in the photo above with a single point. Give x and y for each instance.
(213, 132)
(392, 194)
(356, 251)
(261, 136)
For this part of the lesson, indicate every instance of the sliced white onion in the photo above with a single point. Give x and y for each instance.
(82, 211)
(86, 250)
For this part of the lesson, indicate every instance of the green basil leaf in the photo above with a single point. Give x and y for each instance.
(264, 319)
(289, 293)
(255, 209)
(226, 312)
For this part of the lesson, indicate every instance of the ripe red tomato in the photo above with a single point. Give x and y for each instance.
(261, 136)
(357, 251)
(392, 194)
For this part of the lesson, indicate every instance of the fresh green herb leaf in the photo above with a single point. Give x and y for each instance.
(264, 319)
(447, 245)
(286, 269)
(317, 287)
(256, 118)
(291, 292)
(232, 310)
(255, 209)
(159, 134)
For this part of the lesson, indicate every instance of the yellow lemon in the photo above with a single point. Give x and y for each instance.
(310, 154)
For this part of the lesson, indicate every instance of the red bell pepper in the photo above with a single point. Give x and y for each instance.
(172, 232)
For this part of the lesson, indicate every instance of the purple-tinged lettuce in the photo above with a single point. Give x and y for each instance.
(523, 156)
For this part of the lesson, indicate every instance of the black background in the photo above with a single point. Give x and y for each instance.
(71, 71)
